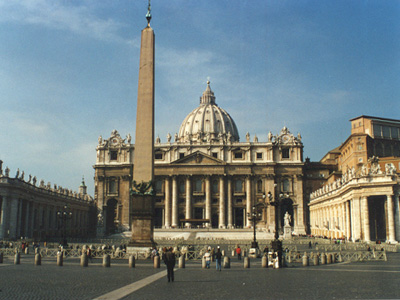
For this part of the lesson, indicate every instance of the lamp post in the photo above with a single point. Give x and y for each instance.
(276, 243)
(63, 215)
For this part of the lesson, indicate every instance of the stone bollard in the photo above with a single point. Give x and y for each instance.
(17, 258)
(223, 252)
(227, 262)
(38, 259)
(316, 260)
(156, 262)
(289, 257)
(233, 253)
(106, 260)
(27, 250)
(340, 258)
(305, 260)
(203, 263)
(37, 250)
(84, 260)
(131, 261)
(333, 258)
(329, 258)
(1, 257)
(264, 262)
(323, 259)
(60, 258)
(182, 262)
(246, 262)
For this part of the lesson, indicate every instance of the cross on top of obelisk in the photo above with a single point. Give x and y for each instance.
(148, 15)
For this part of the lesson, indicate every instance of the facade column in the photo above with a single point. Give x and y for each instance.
(230, 205)
(357, 219)
(208, 200)
(365, 216)
(27, 218)
(174, 202)
(221, 203)
(248, 201)
(390, 219)
(396, 215)
(188, 211)
(167, 206)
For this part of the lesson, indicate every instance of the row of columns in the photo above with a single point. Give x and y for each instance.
(350, 219)
(23, 218)
(225, 203)
(225, 210)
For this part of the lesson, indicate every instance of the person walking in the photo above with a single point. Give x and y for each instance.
(169, 260)
(207, 257)
(239, 252)
(218, 259)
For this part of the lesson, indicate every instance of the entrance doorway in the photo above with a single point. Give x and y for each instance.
(158, 217)
(377, 217)
(198, 213)
(110, 216)
(238, 217)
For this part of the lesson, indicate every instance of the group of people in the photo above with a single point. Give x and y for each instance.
(212, 255)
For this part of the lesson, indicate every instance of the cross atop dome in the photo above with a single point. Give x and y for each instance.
(208, 95)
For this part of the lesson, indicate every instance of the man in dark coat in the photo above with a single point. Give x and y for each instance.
(169, 260)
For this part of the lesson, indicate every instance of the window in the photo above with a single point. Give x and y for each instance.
(259, 186)
(239, 186)
(112, 186)
(113, 155)
(286, 185)
(215, 154)
(214, 200)
(285, 153)
(395, 133)
(238, 201)
(215, 186)
(198, 185)
(259, 155)
(158, 155)
(181, 155)
(360, 160)
(377, 130)
(386, 131)
(182, 187)
(238, 155)
(158, 187)
(360, 147)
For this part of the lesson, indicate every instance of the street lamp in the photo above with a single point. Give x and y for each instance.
(254, 217)
(63, 215)
(276, 243)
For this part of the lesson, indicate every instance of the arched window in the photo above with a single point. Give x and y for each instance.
(286, 185)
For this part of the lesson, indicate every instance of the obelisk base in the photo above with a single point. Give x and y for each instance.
(142, 221)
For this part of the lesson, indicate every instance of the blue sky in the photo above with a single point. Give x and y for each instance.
(69, 71)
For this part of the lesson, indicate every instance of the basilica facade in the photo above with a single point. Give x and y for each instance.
(205, 176)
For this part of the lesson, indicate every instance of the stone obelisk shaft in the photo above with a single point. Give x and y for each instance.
(144, 139)
(143, 169)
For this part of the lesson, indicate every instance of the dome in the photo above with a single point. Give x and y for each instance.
(208, 122)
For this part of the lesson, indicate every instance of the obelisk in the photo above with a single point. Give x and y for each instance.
(142, 195)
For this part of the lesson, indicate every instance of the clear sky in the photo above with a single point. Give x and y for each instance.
(69, 72)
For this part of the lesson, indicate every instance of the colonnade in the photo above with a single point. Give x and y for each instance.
(349, 218)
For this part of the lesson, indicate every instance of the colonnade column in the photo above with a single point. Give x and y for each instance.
(4, 215)
(348, 223)
(188, 212)
(230, 205)
(167, 208)
(174, 220)
(208, 200)
(396, 215)
(221, 203)
(13, 217)
(390, 218)
(364, 205)
(248, 200)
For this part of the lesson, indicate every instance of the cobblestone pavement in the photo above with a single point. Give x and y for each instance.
(362, 280)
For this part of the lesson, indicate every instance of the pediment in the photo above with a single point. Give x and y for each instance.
(199, 158)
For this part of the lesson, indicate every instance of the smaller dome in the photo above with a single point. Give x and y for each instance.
(208, 122)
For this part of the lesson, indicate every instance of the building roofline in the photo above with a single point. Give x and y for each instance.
(375, 118)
